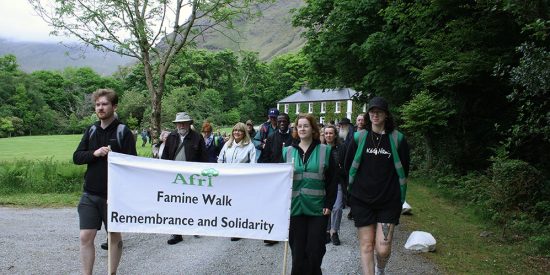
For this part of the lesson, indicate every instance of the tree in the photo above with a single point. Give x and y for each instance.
(424, 115)
(141, 29)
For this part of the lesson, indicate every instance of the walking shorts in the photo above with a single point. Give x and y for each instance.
(365, 214)
(92, 211)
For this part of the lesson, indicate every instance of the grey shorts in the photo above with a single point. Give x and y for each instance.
(92, 211)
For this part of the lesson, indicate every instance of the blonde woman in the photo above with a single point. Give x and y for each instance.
(239, 148)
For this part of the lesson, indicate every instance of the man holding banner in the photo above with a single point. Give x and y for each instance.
(106, 135)
(184, 144)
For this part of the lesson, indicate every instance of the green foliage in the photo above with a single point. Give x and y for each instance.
(6, 127)
(424, 114)
(40, 176)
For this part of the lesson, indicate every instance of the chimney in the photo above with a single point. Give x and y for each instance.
(304, 87)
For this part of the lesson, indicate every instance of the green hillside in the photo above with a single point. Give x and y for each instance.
(270, 35)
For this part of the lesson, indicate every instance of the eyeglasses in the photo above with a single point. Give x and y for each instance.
(377, 113)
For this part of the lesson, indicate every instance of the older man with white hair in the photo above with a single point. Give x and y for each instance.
(184, 144)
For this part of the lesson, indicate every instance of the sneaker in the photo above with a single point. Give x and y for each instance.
(327, 238)
(335, 239)
(234, 239)
(105, 246)
(174, 239)
(270, 243)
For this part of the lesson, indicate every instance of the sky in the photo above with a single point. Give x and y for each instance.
(19, 22)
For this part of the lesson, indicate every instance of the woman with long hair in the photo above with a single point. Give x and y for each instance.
(239, 148)
(378, 163)
(313, 195)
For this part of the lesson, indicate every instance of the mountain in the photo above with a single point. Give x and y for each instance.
(33, 56)
(270, 35)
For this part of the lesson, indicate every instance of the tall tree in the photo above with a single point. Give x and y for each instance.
(153, 32)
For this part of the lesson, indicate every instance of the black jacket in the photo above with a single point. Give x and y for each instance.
(95, 178)
(195, 148)
(273, 150)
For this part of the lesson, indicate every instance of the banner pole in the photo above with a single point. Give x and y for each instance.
(286, 242)
(284, 258)
(109, 249)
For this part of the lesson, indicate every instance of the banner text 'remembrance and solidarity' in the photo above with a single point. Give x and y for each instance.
(225, 221)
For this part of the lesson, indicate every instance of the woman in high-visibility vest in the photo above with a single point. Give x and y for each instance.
(378, 163)
(313, 195)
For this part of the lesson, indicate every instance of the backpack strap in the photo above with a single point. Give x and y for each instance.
(91, 131)
(119, 133)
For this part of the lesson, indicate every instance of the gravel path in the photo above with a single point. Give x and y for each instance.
(45, 241)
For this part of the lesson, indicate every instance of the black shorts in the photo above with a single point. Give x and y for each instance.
(92, 211)
(365, 214)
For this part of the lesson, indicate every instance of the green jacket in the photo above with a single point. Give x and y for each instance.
(308, 185)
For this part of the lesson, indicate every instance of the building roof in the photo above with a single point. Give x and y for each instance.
(318, 95)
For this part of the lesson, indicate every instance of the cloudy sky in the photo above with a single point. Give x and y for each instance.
(18, 21)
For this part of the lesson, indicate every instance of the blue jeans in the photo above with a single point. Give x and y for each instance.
(336, 214)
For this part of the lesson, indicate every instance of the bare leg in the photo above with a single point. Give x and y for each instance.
(115, 250)
(87, 250)
(384, 237)
(366, 235)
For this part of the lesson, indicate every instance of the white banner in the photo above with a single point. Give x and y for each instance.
(189, 198)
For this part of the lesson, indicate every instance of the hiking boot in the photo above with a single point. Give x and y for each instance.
(327, 238)
(335, 239)
(270, 243)
(105, 246)
(174, 239)
(234, 239)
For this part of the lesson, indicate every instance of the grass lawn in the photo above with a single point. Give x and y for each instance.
(58, 147)
(460, 249)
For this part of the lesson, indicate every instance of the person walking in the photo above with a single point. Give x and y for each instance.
(338, 150)
(266, 129)
(214, 144)
(360, 123)
(238, 149)
(98, 140)
(313, 195)
(144, 137)
(184, 144)
(274, 144)
(378, 163)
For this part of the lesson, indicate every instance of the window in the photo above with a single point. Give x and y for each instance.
(297, 108)
(322, 120)
(337, 107)
(286, 108)
(310, 108)
(323, 107)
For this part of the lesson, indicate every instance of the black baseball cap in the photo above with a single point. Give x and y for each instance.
(378, 102)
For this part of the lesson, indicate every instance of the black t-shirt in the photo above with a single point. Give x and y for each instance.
(376, 182)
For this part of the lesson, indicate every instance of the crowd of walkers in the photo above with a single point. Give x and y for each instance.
(335, 165)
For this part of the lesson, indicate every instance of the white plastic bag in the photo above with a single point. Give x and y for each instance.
(406, 209)
(420, 241)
